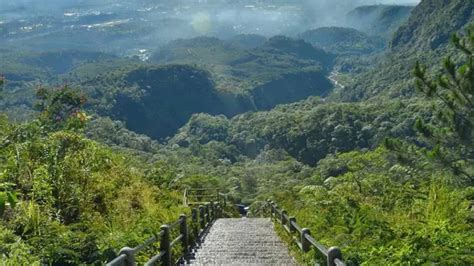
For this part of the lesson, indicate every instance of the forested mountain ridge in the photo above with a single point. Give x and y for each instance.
(432, 23)
(382, 20)
(152, 99)
(341, 40)
(237, 69)
(426, 36)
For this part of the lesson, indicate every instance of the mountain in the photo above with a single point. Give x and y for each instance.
(425, 36)
(343, 41)
(431, 24)
(278, 70)
(248, 41)
(299, 49)
(380, 20)
(156, 101)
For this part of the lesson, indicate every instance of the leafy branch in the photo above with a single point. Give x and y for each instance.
(454, 88)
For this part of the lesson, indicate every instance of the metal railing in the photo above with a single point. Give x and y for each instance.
(190, 229)
(302, 236)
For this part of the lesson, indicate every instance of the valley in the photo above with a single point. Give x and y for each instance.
(355, 116)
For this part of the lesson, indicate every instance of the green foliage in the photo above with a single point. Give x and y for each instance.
(61, 108)
(72, 200)
(308, 131)
(431, 23)
(380, 212)
(424, 37)
(451, 137)
(343, 41)
(7, 196)
(115, 134)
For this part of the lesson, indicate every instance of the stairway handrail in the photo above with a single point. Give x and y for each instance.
(305, 241)
(201, 219)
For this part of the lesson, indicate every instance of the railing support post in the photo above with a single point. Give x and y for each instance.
(283, 219)
(202, 218)
(305, 244)
(290, 224)
(165, 245)
(218, 210)
(207, 215)
(195, 224)
(272, 209)
(183, 229)
(129, 252)
(334, 253)
(213, 211)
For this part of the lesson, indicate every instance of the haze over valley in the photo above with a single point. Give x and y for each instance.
(126, 27)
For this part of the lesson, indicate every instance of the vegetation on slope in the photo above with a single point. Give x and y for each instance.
(343, 41)
(381, 20)
(239, 70)
(417, 209)
(308, 130)
(431, 24)
(425, 36)
(75, 200)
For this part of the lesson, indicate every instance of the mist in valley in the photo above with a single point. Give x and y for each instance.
(127, 26)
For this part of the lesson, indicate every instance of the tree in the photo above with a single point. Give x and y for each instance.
(452, 138)
(61, 108)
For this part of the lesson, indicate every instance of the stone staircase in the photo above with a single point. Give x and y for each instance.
(242, 241)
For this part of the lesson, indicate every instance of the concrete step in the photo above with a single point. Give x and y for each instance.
(242, 241)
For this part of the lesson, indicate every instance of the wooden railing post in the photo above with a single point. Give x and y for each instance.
(202, 218)
(213, 212)
(195, 224)
(183, 229)
(283, 214)
(207, 214)
(305, 244)
(185, 197)
(130, 253)
(165, 245)
(334, 253)
(218, 209)
(272, 209)
(290, 224)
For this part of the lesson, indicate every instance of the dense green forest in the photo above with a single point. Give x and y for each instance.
(364, 133)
